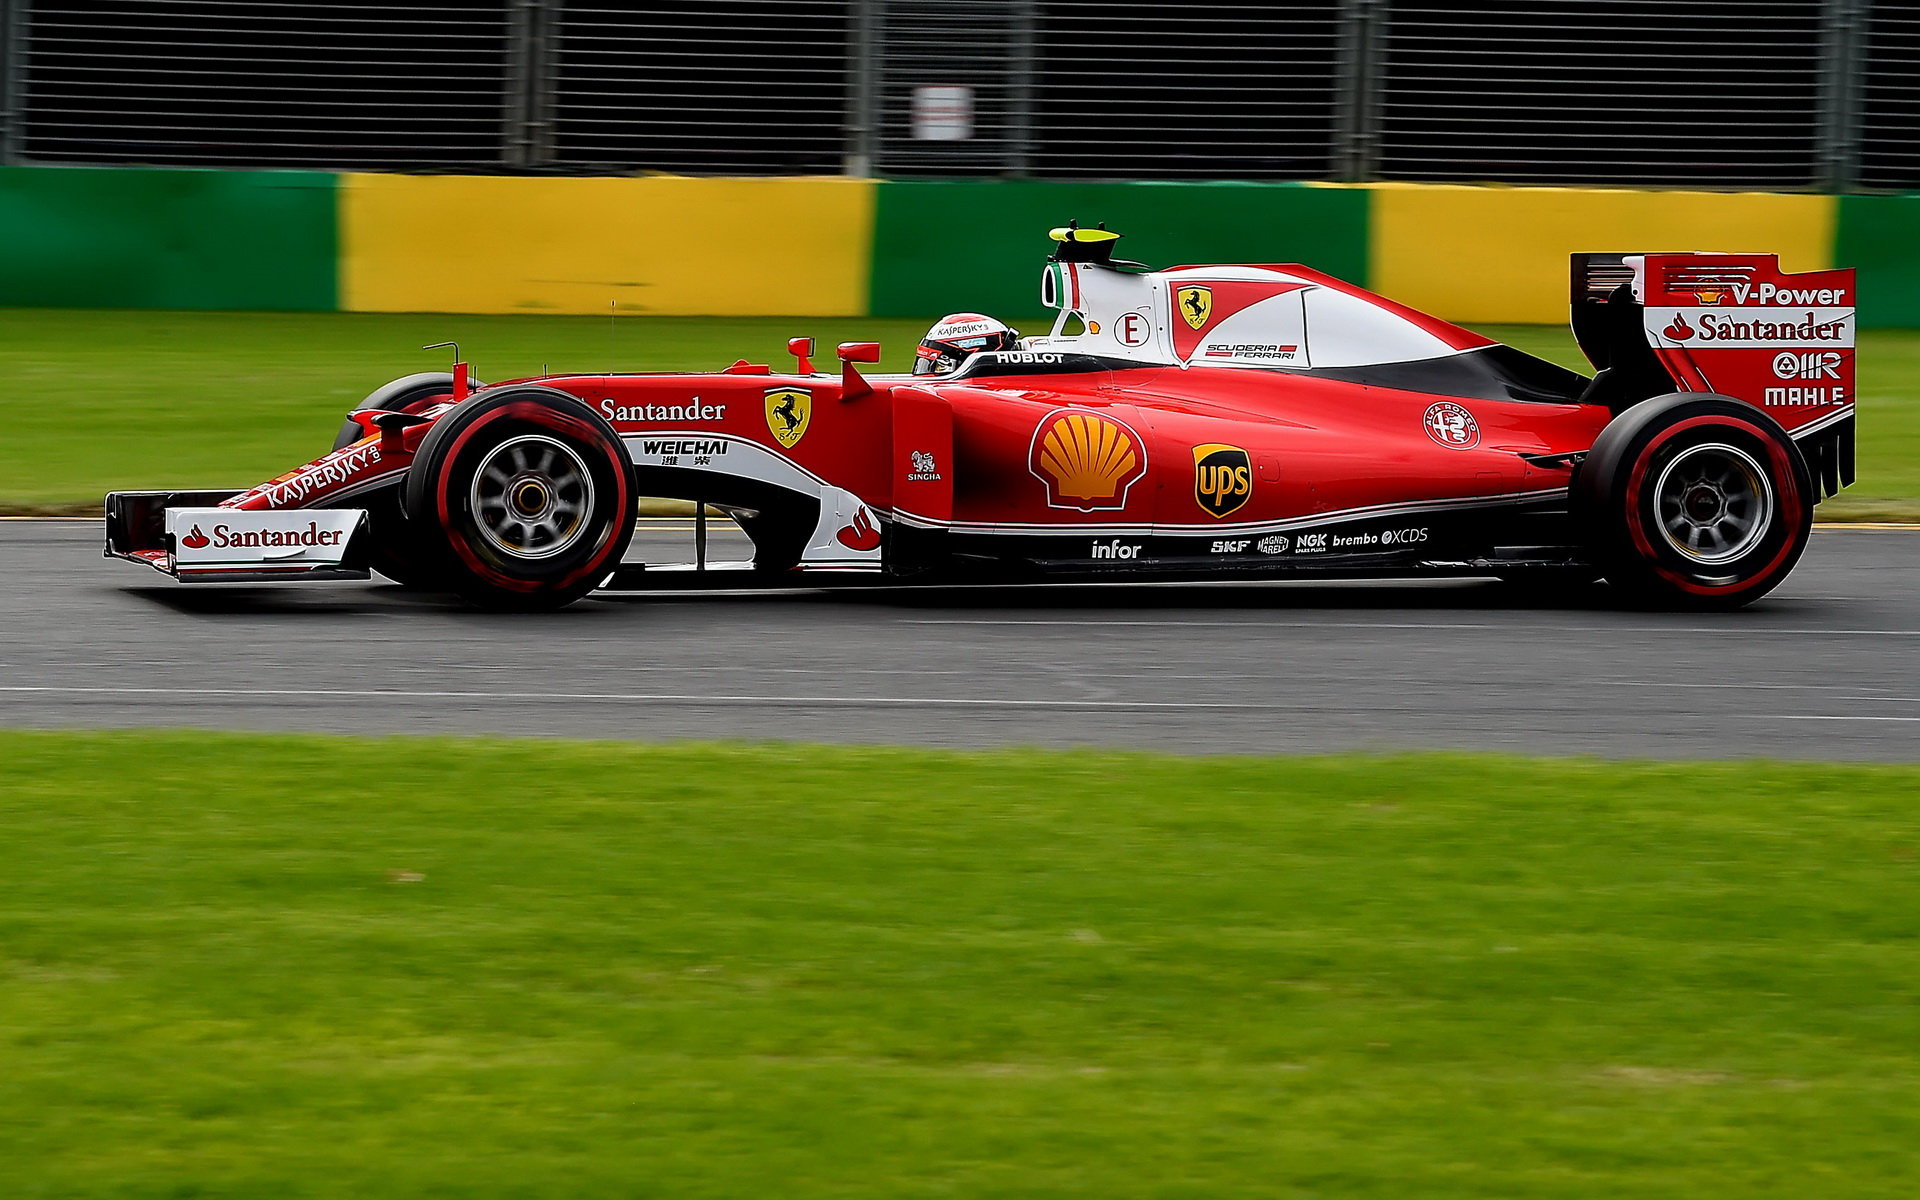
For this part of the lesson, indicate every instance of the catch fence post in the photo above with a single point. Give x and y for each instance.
(1026, 30)
(532, 43)
(1842, 67)
(1358, 84)
(13, 82)
(863, 84)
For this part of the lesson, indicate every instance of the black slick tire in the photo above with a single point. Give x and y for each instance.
(405, 394)
(524, 497)
(393, 547)
(1694, 501)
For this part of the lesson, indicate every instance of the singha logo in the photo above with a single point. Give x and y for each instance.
(926, 468)
(1678, 329)
(195, 540)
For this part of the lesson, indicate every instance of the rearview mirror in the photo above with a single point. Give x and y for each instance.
(859, 352)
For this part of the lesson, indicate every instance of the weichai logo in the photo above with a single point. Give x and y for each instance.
(1222, 478)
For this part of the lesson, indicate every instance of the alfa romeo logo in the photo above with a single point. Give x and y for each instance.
(1452, 426)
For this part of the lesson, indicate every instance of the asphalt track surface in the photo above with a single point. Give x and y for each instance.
(1822, 669)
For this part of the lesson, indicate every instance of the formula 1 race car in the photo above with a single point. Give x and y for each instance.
(1201, 422)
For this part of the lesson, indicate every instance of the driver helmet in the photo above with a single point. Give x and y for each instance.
(956, 337)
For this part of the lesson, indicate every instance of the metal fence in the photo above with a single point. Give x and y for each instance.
(1788, 94)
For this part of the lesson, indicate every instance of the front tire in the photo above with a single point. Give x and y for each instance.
(525, 496)
(394, 547)
(408, 393)
(1694, 501)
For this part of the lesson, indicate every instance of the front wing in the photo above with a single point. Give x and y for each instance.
(187, 535)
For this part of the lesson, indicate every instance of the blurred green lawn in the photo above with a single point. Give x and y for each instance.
(100, 399)
(281, 967)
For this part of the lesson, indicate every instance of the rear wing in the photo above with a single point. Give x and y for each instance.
(1732, 324)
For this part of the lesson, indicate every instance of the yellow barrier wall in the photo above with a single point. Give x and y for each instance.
(1500, 254)
(663, 245)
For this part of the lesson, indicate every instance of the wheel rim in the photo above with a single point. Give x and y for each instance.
(531, 497)
(1714, 503)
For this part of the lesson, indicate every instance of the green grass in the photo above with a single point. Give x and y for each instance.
(282, 967)
(103, 399)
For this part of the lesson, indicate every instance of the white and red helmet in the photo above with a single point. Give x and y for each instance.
(957, 336)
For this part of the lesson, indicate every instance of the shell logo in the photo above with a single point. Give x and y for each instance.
(1087, 460)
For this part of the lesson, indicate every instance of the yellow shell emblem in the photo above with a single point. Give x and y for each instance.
(1195, 305)
(1088, 461)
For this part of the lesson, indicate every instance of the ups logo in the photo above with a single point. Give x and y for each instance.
(1222, 478)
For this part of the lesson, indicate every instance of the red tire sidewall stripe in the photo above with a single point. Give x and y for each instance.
(1791, 501)
(534, 413)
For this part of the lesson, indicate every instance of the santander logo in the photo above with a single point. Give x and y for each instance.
(1678, 329)
(861, 535)
(226, 537)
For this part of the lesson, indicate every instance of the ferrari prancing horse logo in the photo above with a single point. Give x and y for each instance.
(789, 412)
(1195, 304)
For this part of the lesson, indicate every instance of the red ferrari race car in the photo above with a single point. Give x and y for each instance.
(1201, 422)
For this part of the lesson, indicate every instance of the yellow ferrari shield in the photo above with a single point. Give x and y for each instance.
(1195, 304)
(789, 411)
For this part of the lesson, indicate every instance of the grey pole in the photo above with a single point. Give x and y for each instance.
(1357, 91)
(543, 76)
(516, 150)
(13, 79)
(1026, 32)
(1842, 67)
(863, 86)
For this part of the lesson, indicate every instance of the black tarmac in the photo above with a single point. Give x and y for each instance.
(1822, 669)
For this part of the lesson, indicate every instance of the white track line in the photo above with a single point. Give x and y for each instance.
(793, 701)
(1801, 717)
(642, 698)
(1174, 623)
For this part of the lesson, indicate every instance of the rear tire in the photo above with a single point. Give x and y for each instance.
(525, 498)
(1694, 501)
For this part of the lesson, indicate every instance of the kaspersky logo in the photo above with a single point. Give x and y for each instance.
(1222, 478)
(1087, 460)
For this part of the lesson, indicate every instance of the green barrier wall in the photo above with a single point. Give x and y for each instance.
(86, 237)
(159, 238)
(1880, 237)
(976, 246)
